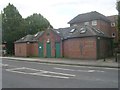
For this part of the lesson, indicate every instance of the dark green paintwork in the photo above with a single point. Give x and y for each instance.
(57, 52)
(40, 48)
(48, 50)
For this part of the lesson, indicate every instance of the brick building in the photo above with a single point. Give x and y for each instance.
(82, 42)
(85, 42)
(113, 27)
(27, 46)
(105, 23)
(89, 36)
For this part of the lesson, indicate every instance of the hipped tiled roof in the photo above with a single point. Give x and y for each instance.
(88, 17)
(66, 33)
(30, 38)
(25, 39)
(80, 31)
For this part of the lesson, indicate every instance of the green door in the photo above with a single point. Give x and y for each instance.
(48, 50)
(40, 48)
(57, 50)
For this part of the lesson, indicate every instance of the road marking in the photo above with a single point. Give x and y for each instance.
(43, 71)
(40, 72)
(16, 69)
(60, 73)
(78, 70)
(68, 69)
(3, 64)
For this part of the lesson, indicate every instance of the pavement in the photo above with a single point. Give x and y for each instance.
(109, 62)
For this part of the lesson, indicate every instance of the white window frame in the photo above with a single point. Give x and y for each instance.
(72, 30)
(112, 24)
(94, 22)
(82, 30)
(86, 23)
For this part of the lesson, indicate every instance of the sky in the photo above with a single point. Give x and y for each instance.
(60, 12)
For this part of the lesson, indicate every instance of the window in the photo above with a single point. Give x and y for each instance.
(23, 38)
(112, 24)
(113, 34)
(72, 30)
(94, 22)
(86, 23)
(74, 24)
(82, 30)
(58, 32)
(36, 34)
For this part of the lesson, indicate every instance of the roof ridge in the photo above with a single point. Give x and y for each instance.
(93, 15)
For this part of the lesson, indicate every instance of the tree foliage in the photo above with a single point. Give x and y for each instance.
(0, 29)
(118, 7)
(35, 23)
(14, 26)
(11, 23)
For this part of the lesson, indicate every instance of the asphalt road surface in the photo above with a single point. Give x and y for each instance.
(23, 74)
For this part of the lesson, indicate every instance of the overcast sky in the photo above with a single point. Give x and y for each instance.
(59, 12)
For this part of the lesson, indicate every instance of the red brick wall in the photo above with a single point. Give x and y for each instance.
(24, 49)
(102, 25)
(21, 49)
(52, 38)
(34, 49)
(115, 31)
(114, 20)
(83, 48)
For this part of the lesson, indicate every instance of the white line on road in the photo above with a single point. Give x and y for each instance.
(3, 64)
(43, 71)
(78, 70)
(91, 70)
(60, 73)
(15, 69)
(40, 72)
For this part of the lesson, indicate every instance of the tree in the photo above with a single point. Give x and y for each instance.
(11, 26)
(118, 8)
(14, 26)
(0, 28)
(35, 23)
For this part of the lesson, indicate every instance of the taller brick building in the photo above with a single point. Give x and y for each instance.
(99, 21)
(113, 27)
(88, 37)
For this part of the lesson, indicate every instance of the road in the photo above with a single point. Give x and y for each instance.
(23, 74)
